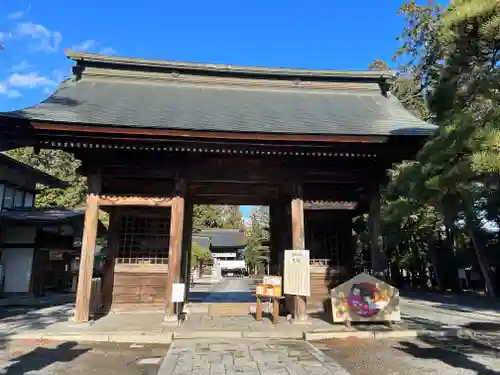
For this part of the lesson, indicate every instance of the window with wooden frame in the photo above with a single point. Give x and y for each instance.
(2, 191)
(143, 240)
(8, 198)
(323, 238)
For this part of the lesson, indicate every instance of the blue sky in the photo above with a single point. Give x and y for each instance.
(294, 33)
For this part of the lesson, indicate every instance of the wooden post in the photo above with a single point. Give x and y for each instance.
(378, 257)
(274, 223)
(298, 243)
(187, 242)
(175, 246)
(115, 220)
(89, 239)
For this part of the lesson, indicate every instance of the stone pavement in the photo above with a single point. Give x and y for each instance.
(424, 356)
(247, 357)
(55, 358)
(148, 327)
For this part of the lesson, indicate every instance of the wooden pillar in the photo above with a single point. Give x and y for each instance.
(187, 242)
(175, 246)
(298, 243)
(89, 239)
(378, 257)
(274, 226)
(115, 220)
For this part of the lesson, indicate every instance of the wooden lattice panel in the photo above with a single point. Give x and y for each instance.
(322, 239)
(143, 240)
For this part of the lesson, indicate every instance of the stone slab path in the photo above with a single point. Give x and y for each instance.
(247, 357)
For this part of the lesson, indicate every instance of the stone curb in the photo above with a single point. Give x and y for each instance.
(132, 338)
(364, 335)
(168, 338)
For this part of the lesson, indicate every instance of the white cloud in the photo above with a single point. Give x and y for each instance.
(29, 80)
(16, 15)
(5, 36)
(46, 40)
(84, 46)
(61, 74)
(107, 51)
(19, 14)
(5, 90)
(91, 45)
(23, 65)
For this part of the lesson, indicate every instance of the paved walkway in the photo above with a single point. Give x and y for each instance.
(195, 357)
(418, 314)
(228, 290)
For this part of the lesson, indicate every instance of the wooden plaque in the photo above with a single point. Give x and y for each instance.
(297, 273)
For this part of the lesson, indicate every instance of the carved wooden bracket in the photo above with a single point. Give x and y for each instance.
(114, 200)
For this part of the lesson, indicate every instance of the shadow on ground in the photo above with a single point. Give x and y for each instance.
(35, 315)
(41, 357)
(467, 302)
(452, 351)
(221, 297)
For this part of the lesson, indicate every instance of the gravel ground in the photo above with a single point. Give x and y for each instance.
(24, 357)
(443, 356)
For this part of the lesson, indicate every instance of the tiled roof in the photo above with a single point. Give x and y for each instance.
(42, 215)
(38, 176)
(231, 238)
(142, 93)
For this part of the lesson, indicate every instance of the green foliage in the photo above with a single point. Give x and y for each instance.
(212, 216)
(257, 235)
(232, 217)
(434, 207)
(61, 165)
(199, 253)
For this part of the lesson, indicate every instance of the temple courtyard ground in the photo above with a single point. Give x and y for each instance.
(447, 334)
(255, 357)
(423, 315)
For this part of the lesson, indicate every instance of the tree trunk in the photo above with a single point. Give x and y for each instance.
(483, 264)
(450, 259)
(431, 250)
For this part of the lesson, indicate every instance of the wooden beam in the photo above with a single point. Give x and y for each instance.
(175, 246)
(115, 200)
(298, 243)
(141, 134)
(330, 205)
(205, 172)
(89, 239)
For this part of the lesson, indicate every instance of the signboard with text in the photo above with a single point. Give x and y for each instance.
(297, 273)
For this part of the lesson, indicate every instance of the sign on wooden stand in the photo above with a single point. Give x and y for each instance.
(297, 273)
(178, 292)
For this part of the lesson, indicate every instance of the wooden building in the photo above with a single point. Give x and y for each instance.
(156, 137)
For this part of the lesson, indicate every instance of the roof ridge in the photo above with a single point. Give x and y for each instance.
(84, 57)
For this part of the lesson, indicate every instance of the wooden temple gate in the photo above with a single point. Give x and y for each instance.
(156, 138)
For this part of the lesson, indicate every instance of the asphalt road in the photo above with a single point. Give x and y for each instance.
(23, 357)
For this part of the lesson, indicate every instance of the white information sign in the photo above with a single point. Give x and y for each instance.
(297, 273)
(178, 291)
(462, 274)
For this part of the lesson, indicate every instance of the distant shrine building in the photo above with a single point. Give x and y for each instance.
(157, 137)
